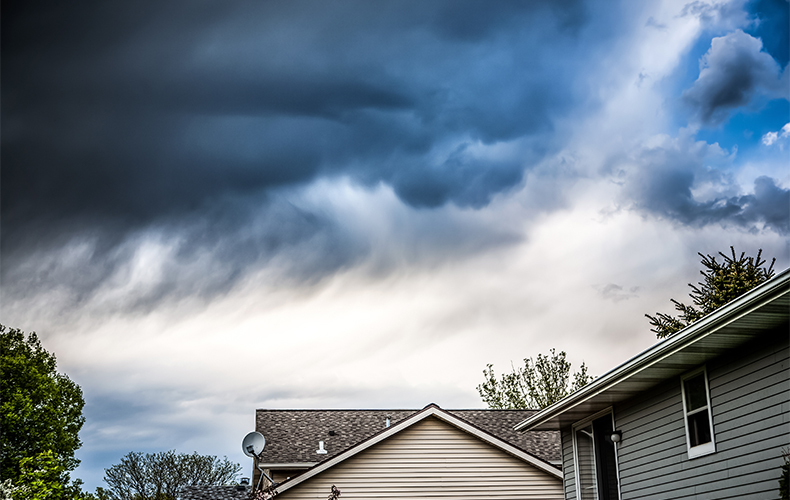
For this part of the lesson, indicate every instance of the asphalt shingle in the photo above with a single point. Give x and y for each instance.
(292, 436)
(215, 493)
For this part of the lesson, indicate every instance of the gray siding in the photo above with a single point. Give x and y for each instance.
(568, 471)
(431, 460)
(750, 404)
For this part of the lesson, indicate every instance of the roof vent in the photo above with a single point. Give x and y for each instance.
(321, 450)
(331, 433)
(387, 423)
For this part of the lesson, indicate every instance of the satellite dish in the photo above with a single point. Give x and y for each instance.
(253, 444)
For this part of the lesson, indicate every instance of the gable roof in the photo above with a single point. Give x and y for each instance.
(763, 309)
(431, 410)
(292, 436)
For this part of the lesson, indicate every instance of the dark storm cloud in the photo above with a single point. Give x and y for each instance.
(769, 203)
(131, 112)
(665, 178)
(127, 117)
(731, 73)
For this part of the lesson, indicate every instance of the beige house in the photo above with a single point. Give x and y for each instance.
(430, 454)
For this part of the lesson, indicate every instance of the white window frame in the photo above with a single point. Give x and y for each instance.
(582, 423)
(706, 448)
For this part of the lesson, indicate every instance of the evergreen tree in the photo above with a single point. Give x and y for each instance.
(722, 282)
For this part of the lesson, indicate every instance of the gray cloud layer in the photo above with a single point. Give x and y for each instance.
(130, 119)
(126, 114)
(664, 178)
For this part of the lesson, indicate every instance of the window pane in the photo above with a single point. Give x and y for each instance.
(584, 447)
(695, 392)
(699, 428)
(605, 461)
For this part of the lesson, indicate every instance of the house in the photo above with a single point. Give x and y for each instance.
(406, 453)
(703, 414)
(295, 437)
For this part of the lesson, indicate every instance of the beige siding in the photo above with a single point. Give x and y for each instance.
(431, 459)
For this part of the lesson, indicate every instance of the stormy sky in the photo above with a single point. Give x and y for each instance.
(212, 207)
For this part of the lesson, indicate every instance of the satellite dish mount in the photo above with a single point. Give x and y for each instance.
(253, 445)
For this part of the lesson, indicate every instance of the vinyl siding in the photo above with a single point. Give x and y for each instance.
(431, 459)
(568, 470)
(750, 404)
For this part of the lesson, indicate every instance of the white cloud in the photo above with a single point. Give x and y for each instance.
(771, 137)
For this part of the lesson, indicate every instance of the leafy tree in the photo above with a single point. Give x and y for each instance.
(722, 282)
(100, 494)
(40, 417)
(160, 476)
(538, 384)
(43, 477)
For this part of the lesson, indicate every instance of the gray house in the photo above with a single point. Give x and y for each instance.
(704, 414)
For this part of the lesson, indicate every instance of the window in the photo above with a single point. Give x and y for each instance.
(596, 458)
(696, 410)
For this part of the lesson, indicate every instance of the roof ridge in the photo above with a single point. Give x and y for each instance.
(397, 409)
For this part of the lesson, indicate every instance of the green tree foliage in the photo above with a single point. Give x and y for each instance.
(43, 477)
(538, 384)
(722, 282)
(160, 476)
(100, 494)
(40, 416)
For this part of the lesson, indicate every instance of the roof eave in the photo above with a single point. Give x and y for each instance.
(288, 465)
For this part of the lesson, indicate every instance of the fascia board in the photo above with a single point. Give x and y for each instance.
(288, 465)
(692, 333)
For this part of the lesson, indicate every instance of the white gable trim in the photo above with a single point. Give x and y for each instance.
(429, 411)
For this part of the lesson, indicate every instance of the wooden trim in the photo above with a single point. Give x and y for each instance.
(706, 448)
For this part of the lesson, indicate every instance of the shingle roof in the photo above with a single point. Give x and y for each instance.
(292, 436)
(215, 493)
